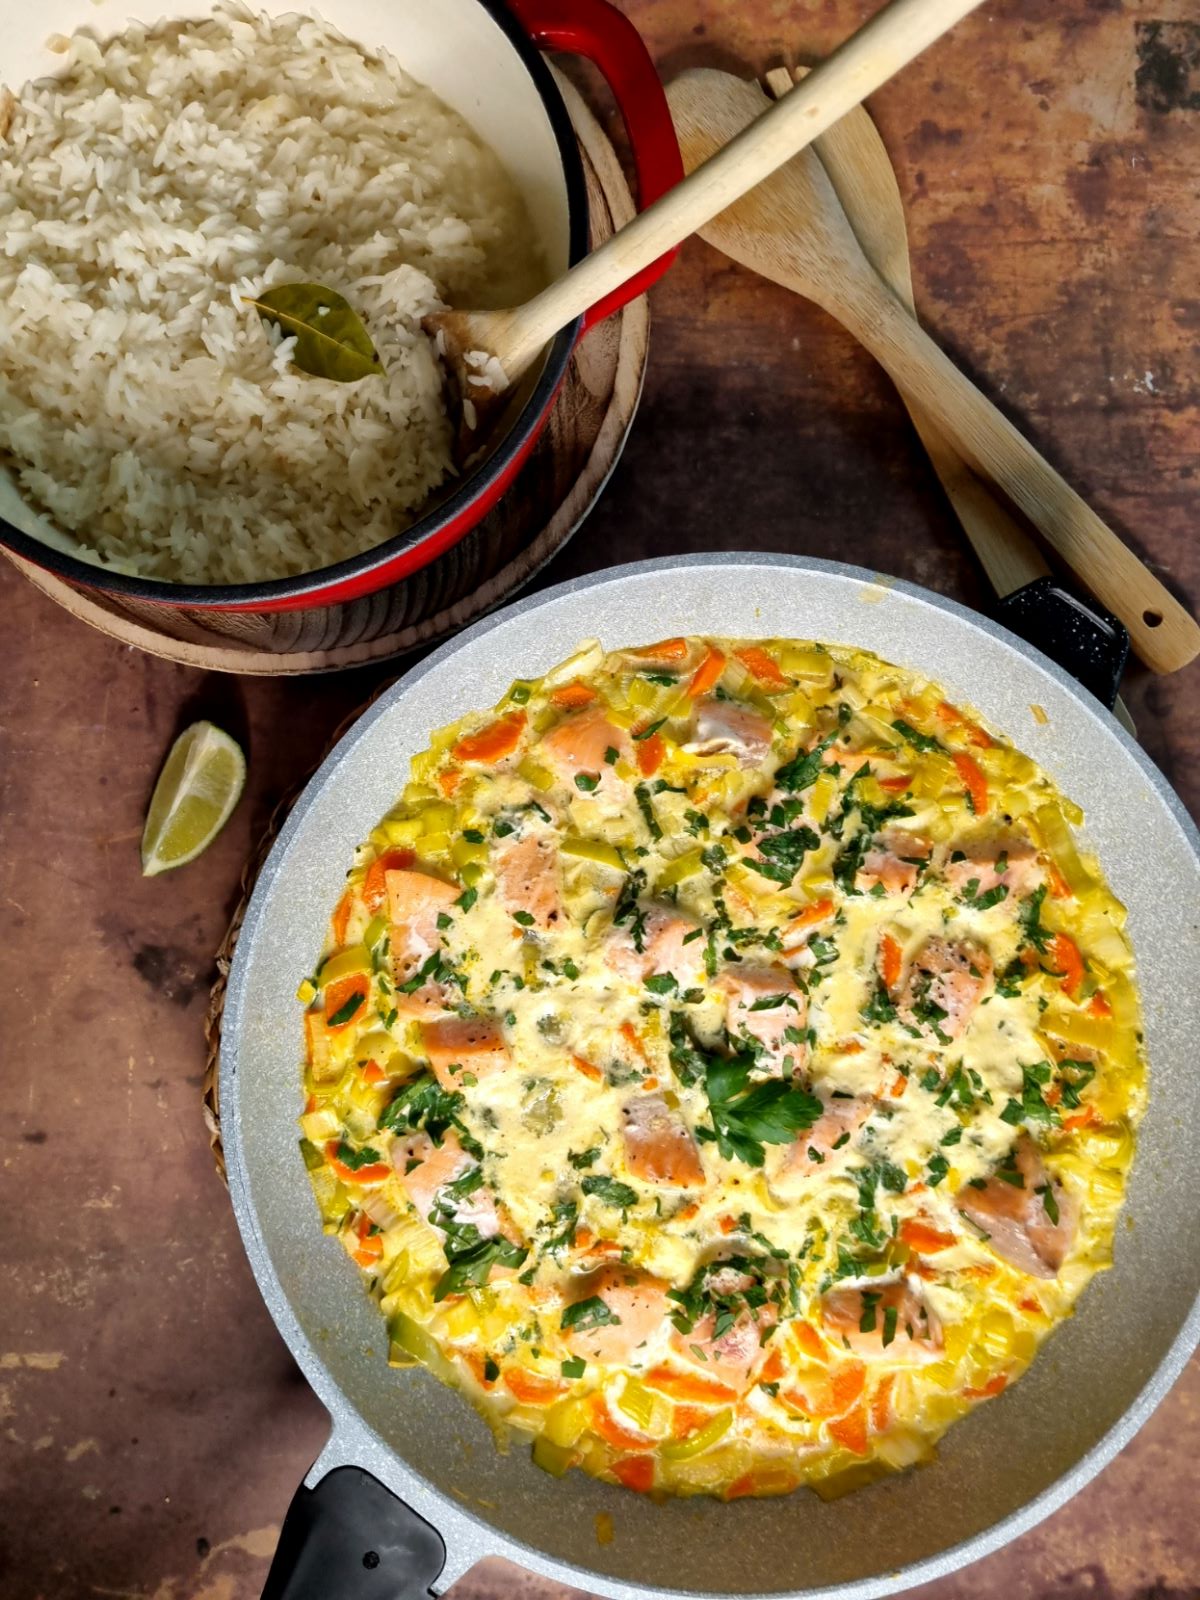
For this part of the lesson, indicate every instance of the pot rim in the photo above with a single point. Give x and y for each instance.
(322, 585)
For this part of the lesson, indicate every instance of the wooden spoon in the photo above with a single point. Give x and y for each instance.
(740, 159)
(856, 160)
(793, 230)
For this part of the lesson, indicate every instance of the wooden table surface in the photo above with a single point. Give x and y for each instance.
(154, 1426)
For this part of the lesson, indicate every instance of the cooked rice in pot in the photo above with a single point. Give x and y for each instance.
(143, 407)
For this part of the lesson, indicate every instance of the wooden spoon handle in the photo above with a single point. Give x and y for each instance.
(867, 59)
(1164, 635)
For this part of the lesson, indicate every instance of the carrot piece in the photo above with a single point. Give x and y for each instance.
(586, 1067)
(1060, 889)
(899, 1086)
(374, 890)
(743, 1486)
(603, 1423)
(340, 993)
(368, 1252)
(340, 920)
(1068, 963)
(974, 733)
(922, 1237)
(816, 911)
(630, 1035)
(1086, 1118)
(635, 1472)
(707, 673)
(310, 1104)
(849, 1381)
(449, 780)
(974, 782)
(850, 1431)
(533, 1388)
(373, 1172)
(990, 1389)
(890, 961)
(810, 1341)
(896, 785)
(572, 696)
(1099, 1006)
(664, 650)
(881, 1403)
(650, 753)
(764, 667)
(688, 1420)
(727, 1224)
(1032, 1304)
(773, 1367)
(372, 1072)
(688, 1386)
(686, 1213)
(493, 743)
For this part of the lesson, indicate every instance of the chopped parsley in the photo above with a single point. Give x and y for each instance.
(1032, 1106)
(1031, 920)
(611, 1191)
(346, 1010)
(918, 740)
(574, 1367)
(747, 1116)
(589, 1313)
(642, 795)
(804, 770)
(356, 1159)
(587, 781)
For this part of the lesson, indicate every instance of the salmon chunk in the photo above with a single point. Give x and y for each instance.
(765, 1002)
(659, 1147)
(415, 901)
(459, 1045)
(581, 743)
(945, 984)
(1007, 859)
(426, 1169)
(831, 1137)
(894, 861)
(668, 945)
(723, 727)
(633, 1304)
(527, 876)
(732, 1357)
(892, 1320)
(1028, 1217)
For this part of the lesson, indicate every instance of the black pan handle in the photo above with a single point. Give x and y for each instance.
(352, 1539)
(1072, 629)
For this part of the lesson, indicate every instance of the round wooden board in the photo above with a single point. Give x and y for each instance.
(552, 495)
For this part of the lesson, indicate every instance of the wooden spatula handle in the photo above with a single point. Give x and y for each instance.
(867, 59)
(1164, 635)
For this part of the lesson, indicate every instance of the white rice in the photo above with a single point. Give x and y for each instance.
(143, 407)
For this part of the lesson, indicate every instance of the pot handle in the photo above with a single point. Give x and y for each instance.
(349, 1538)
(597, 30)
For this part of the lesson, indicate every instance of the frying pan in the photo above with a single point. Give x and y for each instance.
(410, 1491)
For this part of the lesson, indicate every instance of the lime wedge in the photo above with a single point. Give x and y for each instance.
(197, 789)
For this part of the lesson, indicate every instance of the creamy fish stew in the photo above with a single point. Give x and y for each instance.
(723, 1065)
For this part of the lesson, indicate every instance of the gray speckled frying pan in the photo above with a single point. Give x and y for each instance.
(410, 1491)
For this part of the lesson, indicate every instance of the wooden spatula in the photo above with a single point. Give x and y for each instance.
(792, 229)
(1063, 622)
(466, 339)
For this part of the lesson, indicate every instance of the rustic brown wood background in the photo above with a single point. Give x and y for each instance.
(153, 1425)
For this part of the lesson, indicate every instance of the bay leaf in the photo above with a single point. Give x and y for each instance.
(331, 341)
